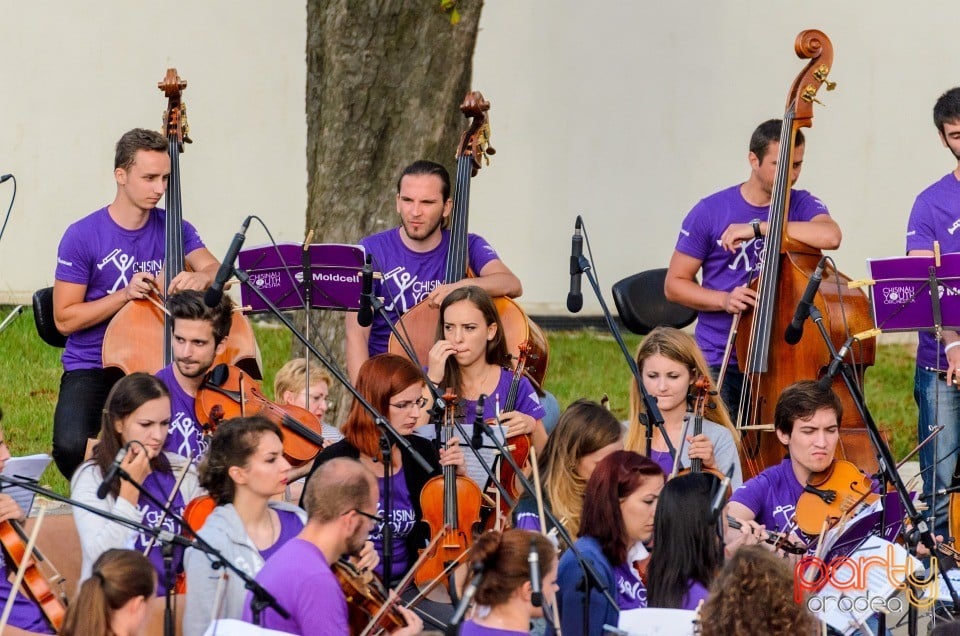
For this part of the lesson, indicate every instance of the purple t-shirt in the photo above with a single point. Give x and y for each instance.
(290, 527)
(663, 460)
(469, 628)
(402, 521)
(527, 402)
(100, 254)
(185, 437)
(25, 613)
(409, 277)
(159, 485)
(300, 578)
(696, 593)
(772, 495)
(935, 217)
(723, 270)
(631, 592)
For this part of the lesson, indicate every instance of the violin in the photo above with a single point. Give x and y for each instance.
(520, 444)
(367, 600)
(14, 542)
(228, 392)
(701, 401)
(451, 506)
(841, 490)
(196, 512)
(779, 540)
(138, 337)
(420, 323)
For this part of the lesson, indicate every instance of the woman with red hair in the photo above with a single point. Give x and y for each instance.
(393, 386)
(618, 511)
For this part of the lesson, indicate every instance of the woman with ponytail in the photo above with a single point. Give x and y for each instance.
(115, 600)
(506, 598)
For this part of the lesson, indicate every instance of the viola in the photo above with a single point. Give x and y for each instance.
(14, 542)
(702, 399)
(839, 491)
(420, 323)
(228, 392)
(768, 363)
(451, 506)
(138, 337)
(367, 601)
(196, 511)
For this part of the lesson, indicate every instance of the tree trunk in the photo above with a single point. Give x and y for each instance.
(385, 79)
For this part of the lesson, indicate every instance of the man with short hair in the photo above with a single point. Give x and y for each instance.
(724, 236)
(105, 260)
(199, 336)
(413, 257)
(935, 217)
(807, 422)
(341, 500)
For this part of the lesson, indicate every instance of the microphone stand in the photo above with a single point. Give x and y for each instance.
(591, 577)
(654, 417)
(887, 465)
(261, 597)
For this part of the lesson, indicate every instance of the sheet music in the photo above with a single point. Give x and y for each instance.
(883, 582)
(30, 467)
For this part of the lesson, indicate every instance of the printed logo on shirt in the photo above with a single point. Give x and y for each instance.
(151, 517)
(407, 286)
(402, 521)
(127, 265)
(784, 514)
(189, 440)
(64, 262)
(953, 228)
(748, 257)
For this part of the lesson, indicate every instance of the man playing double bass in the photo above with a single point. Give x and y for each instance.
(413, 257)
(105, 260)
(935, 217)
(723, 236)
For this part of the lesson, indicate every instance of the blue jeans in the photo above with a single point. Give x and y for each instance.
(939, 404)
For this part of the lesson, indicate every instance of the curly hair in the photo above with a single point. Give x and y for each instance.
(754, 578)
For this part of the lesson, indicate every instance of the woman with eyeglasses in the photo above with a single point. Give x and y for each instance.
(242, 471)
(393, 386)
(471, 357)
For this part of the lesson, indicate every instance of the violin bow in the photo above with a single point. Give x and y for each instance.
(16, 586)
(538, 492)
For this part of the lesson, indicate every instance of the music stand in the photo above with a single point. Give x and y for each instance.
(901, 296)
(278, 272)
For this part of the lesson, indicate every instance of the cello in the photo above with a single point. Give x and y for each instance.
(138, 337)
(768, 363)
(420, 323)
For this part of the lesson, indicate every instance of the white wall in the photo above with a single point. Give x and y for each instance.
(624, 112)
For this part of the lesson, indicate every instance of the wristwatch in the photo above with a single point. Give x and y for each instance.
(756, 228)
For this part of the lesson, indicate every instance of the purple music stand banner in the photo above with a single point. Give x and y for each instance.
(278, 273)
(901, 294)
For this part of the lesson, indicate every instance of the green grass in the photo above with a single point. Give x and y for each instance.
(582, 364)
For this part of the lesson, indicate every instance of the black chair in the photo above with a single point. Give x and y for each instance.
(643, 306)
(43, 318)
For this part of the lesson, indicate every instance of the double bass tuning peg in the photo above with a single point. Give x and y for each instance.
(821, 76)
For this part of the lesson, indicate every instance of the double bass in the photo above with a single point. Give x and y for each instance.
(768, 363)
(138, 337)
(420, 323)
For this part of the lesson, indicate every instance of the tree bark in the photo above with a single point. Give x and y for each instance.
(385, 79)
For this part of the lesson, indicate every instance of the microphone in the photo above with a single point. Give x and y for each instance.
(5, 177)
(575, 298)
(717, 503)
(215, 293)
(837, 359)
(112, 472)
(476, 440)
(795, 329)
(468, 593)
(536, 596)
(365, 314)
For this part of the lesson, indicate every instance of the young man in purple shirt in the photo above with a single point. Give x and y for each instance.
(807, 421)
(412, 259)
(199, 336)
(341, 501)
(935, 217)
(724, 236)
(105, 260)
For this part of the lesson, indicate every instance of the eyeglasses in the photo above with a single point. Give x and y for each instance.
(420, 402)
(369, 516)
